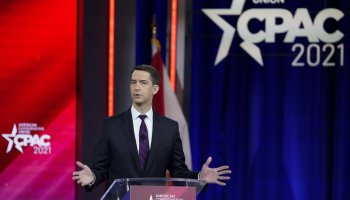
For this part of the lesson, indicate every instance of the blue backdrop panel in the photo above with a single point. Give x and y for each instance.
(282, 125)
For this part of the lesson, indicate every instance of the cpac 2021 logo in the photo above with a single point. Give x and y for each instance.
(22, 137)
(299, 25)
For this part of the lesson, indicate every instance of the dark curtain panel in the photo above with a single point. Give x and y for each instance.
(145, 10)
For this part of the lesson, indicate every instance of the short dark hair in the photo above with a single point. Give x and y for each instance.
(155, 78)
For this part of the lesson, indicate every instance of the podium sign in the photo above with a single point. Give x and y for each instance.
(153, 189)
(162, 193)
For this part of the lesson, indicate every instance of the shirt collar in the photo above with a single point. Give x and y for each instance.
(135, 114)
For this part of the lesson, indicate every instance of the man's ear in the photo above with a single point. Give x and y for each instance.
(155, 89)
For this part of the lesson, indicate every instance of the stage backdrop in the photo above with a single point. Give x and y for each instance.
(37, 99)
(270, 96)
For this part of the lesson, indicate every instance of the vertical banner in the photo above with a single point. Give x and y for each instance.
(270, 93)
(37, 99)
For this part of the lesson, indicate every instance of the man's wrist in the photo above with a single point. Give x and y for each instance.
(93, 180)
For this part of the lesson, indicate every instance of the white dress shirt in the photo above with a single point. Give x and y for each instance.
(137, 123)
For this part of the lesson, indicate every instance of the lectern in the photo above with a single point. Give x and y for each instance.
(153, 189)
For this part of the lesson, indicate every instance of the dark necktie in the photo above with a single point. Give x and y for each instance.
(143, 143)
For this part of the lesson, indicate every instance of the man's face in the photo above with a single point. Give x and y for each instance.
(142, 88)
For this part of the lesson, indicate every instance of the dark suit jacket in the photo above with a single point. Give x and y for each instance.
(116, 153)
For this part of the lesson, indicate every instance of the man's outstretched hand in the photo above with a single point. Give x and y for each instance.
(214, 175)
(85, 176)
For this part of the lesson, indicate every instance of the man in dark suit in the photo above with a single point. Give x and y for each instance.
(141, 143)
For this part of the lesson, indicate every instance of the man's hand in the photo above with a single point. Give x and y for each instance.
(214, 175)
(85, 176)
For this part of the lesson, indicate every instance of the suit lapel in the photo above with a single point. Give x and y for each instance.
(155, 142)
(130, 138)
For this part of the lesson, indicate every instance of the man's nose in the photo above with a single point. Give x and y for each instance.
(137, 86)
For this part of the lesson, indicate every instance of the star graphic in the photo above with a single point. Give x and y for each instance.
(229, 32)
(12, 135)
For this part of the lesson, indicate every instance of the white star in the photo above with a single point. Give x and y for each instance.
(229, 32)
(12, 135)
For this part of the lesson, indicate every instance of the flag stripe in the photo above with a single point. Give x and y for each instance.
(166, 101)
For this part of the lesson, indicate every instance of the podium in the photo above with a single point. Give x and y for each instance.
(153, 189)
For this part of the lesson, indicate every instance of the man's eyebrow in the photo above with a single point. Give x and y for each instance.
(140, 80)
